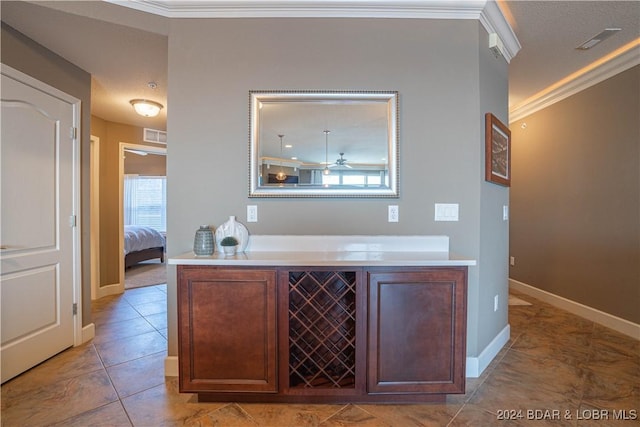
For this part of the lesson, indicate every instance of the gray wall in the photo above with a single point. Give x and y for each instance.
(576, 197)
(446, 78)
(25, 55)
(493, 261)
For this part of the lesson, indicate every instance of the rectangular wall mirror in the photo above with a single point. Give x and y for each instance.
(323, 144)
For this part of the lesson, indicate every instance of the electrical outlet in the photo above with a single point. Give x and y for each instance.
(495, 303)
(252, 213)
(393, 213)
(512, 260)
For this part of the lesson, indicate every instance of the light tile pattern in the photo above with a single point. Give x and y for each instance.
(554, 361)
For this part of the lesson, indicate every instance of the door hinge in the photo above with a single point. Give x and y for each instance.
(72, 221)
(73, 132)
(75, 308)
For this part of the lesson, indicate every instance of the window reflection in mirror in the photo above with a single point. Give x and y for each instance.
(323, 144)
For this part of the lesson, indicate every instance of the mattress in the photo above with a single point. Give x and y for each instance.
(137, 238)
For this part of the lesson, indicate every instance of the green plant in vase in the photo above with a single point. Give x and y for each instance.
(229, 245)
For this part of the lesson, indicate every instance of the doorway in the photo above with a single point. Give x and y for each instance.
(142, 212)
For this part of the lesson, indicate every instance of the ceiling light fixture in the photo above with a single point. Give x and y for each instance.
(326, 170)
(146, 108)
(281, 176)
(598, 38)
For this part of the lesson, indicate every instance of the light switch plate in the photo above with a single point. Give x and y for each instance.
(505, 213)
(446, 212)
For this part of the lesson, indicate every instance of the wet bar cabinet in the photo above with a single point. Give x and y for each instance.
(338, 319)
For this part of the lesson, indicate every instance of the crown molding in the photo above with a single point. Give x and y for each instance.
(493, 20)
(610, 68)
(486, 11)
(443, 9)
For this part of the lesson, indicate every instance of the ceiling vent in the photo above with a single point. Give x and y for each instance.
(154, 135)
(598, 38)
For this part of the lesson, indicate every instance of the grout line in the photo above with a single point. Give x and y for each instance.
(121, 398)
(457, 412)
(241, 410)
(344, 407)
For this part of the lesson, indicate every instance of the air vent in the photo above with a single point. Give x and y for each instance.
(598, 38)
(154, 135)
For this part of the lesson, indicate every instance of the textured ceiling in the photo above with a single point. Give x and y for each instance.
(121, 58)
(549, 32)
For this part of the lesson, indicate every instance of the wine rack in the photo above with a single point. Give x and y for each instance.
(322, 329)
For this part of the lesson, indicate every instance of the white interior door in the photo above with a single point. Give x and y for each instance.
(38, 230)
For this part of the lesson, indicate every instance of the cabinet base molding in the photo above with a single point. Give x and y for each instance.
(329, 399)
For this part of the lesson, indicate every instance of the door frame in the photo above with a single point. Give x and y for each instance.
(94, 201)
(130, 146)
(97, 290)
(75, 220)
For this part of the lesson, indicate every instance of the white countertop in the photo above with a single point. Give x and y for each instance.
(316, 251)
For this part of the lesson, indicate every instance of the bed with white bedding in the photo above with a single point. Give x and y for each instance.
(141, 244)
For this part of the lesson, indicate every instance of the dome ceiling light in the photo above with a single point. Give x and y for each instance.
(147, 107)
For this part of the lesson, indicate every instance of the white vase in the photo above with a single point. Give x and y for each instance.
(235, 229)
(229, 250)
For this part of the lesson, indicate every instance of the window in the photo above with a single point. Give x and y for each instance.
(355, 178)
(145, 201)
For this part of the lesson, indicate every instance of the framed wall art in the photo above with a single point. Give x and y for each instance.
(497, 151)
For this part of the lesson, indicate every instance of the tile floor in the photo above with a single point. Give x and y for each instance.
(554, 361)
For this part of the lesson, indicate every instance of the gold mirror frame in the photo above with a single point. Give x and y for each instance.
(295, 137)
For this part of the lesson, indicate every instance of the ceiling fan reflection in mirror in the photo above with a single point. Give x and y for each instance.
(340, 162)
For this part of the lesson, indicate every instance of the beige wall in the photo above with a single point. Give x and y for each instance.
(575, 229)
(447, 79)
(33, 59)
(111, 135)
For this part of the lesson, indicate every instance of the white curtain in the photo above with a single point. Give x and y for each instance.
(130, 198)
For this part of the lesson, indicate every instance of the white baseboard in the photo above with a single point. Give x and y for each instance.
(605, 319)
(171, 366)
(88, 332)
(476, 365)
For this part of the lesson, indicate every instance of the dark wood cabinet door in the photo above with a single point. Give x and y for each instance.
(227, 330)
(417, 331)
